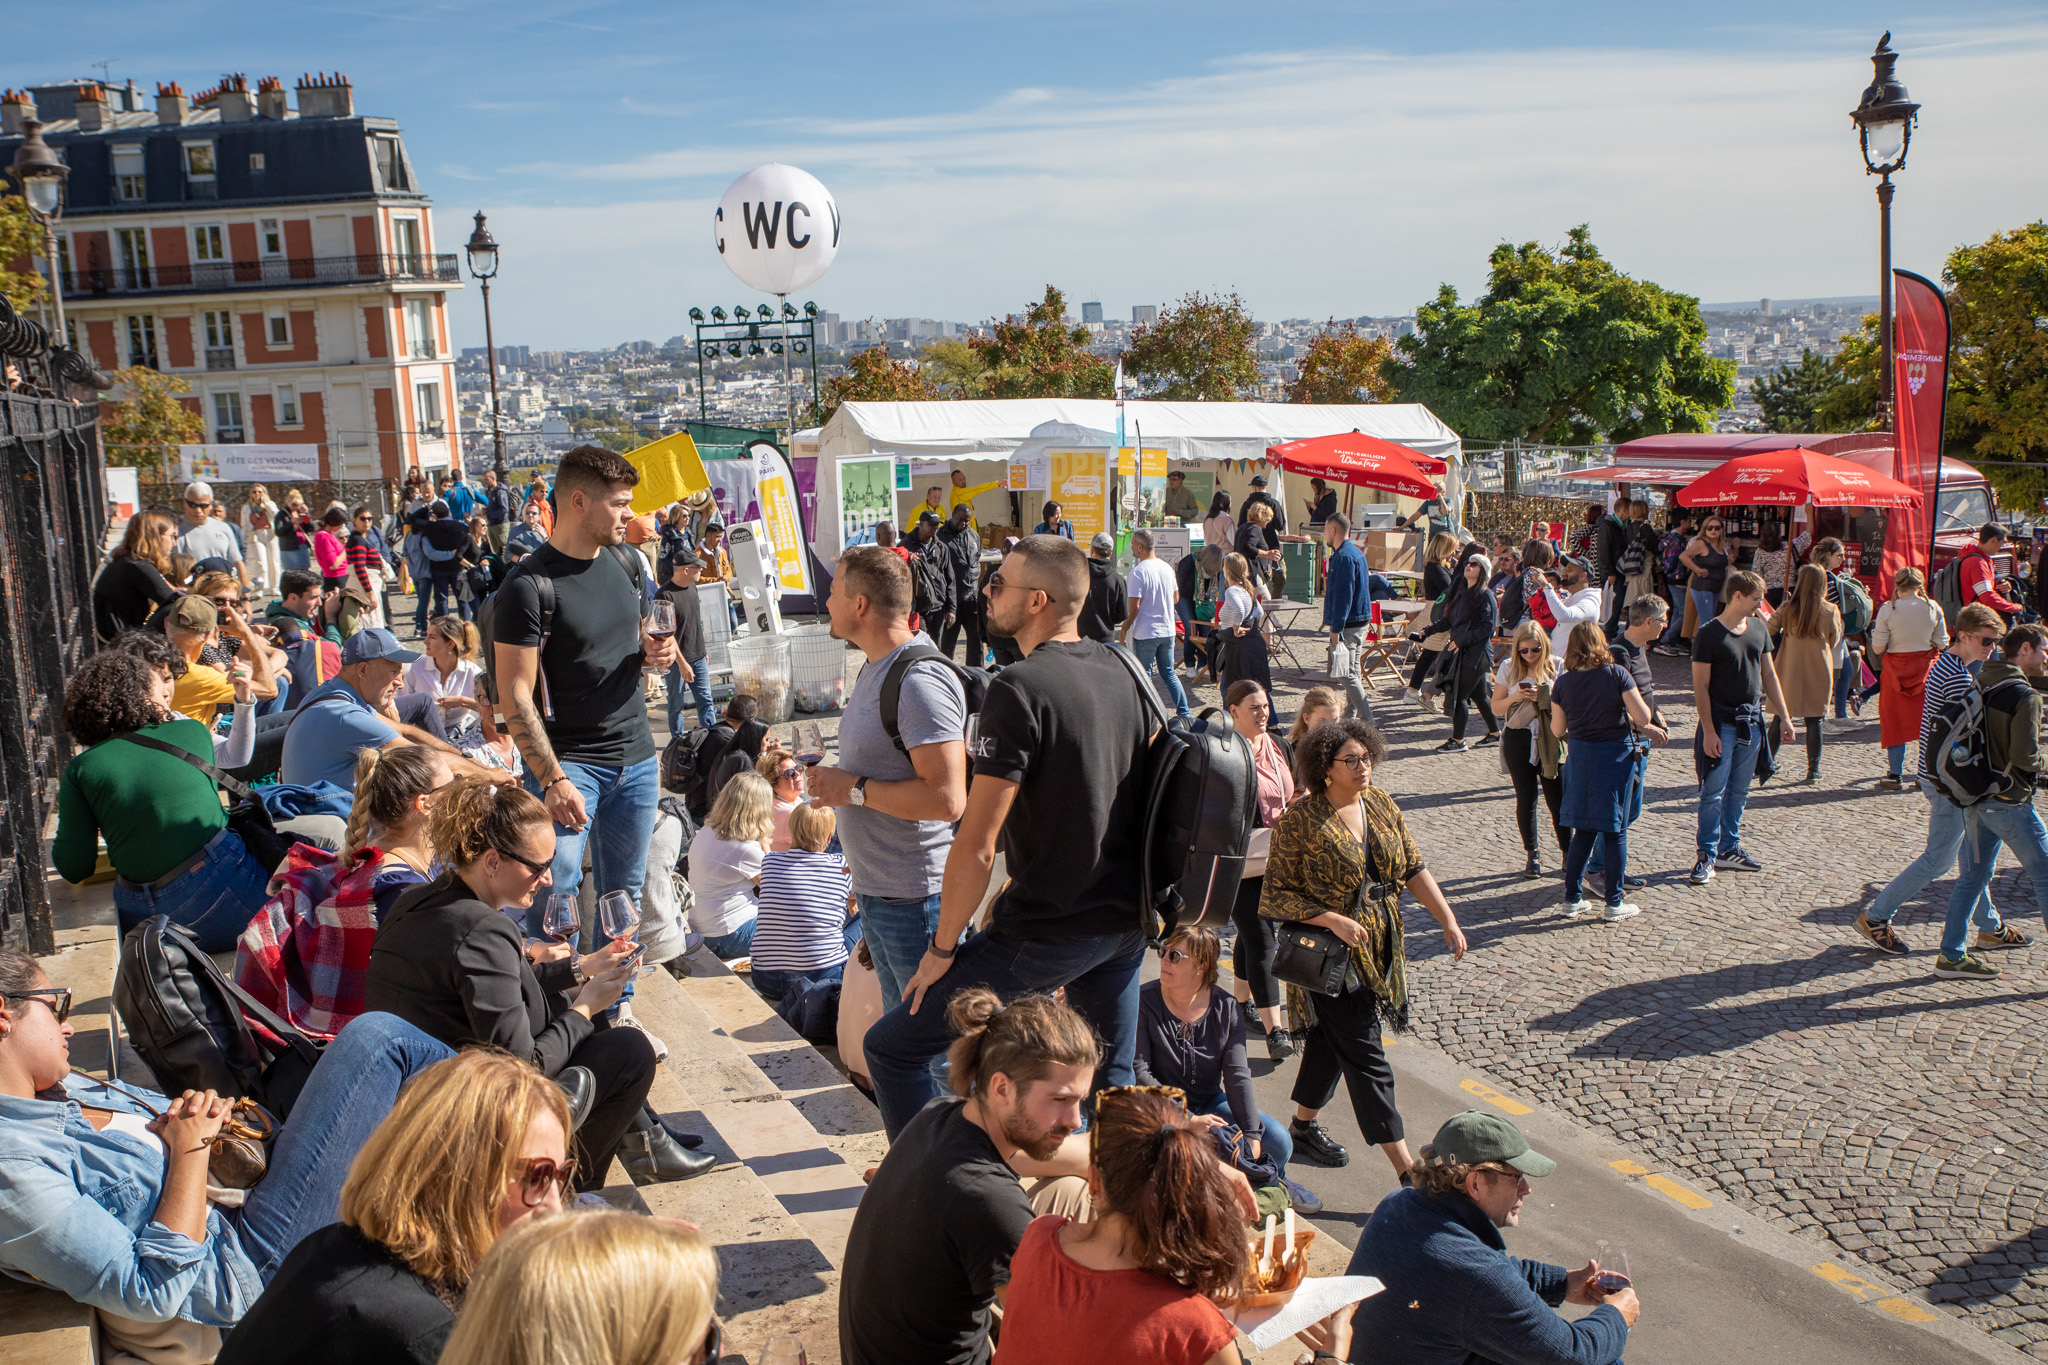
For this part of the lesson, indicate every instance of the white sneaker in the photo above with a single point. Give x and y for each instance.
(1411, 693)
(1574, 909)
(625, 1019)
(1831, 726)
(1622, 911)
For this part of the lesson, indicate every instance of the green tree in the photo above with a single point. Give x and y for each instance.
(1791, 399)
(873, 376)
(21, 238)
(1852, 404)
(1341, 366)
(1563, 347)
(1200, 350)
(148, 426)
(956, 367)
(1998, 307)
(1040, 355)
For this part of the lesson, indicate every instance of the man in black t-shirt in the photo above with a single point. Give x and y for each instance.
(691, 668)
(572, 700)
(1058, 757)
(1731, 675)
(931, 1243)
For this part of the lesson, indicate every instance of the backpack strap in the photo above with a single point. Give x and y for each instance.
(892, 687)
(234, 786)
(1138, 676)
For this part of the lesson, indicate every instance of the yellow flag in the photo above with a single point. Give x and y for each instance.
(670, 470)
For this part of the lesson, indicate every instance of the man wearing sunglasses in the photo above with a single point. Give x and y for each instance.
(204, 537)
(1059, 762)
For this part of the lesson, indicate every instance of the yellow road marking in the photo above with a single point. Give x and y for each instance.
(1494, 1098)
(1665, 1185)
(1905, 1310)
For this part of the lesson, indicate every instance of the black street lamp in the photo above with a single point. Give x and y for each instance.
(1884, 127)
(483, 264)
(42, 175)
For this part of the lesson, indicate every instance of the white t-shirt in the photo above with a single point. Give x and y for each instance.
(421, 676)
(1153, 588)
(722, 881)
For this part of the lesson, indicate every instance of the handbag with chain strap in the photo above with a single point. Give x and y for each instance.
(1317, 959)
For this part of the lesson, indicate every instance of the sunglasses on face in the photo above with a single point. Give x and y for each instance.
(541, 1173)
(789, 773)
(714, 1343)
(59, 1006)
(1531, 651)
(1176, 955)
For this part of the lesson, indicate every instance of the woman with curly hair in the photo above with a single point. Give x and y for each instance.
(1340, 856)
(166, 832)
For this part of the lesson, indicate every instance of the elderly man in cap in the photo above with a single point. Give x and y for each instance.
(354, 711)
(1180, 499)
(1453, 1294)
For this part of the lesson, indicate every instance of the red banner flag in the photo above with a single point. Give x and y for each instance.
(1919, 400)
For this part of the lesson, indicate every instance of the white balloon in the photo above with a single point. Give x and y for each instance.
(777, 228)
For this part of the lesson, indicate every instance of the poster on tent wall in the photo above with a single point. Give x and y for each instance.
(775, 487)
(1080, 485)
(867, 495)
(1034, 472)
(1143, 483)
(122, 494)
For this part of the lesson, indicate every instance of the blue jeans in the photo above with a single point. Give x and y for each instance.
(619, 810)
(1613, 858)
(775, 985)
(1274, 1142)
(738, 943)
(346, 1097)
(2018, 827)
(1844, 677)
(700, 693)
(1726, 790)
(1895, 758)
(1186, 611)
(1676, 596)
(1706, 605)
(1099, 971)
(896, 932)
(1946, 825)
(301, 558)
(214, 902)
(1158, 654)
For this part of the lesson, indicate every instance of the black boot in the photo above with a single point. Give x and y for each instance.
(1313, 1143)
(581, 1088)
(652, 1157)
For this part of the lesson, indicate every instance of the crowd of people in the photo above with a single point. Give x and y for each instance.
(1073, 1148)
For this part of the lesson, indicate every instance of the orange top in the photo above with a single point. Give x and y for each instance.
(1055, 1303)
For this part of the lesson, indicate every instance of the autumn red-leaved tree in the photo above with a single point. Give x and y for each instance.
(1342, 366)
(873, 376)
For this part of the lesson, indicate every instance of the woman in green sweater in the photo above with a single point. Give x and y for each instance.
(165, 827)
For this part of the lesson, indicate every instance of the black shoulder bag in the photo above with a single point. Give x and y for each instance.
(247, 817)
(1315, 958)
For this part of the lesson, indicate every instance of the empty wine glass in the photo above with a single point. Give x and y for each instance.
(784, 1350)
(618, 917)
(559, 920)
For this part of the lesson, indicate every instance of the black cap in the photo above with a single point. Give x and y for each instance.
(932, 517)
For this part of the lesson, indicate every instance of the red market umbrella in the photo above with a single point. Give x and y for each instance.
(1786, 478)
(1363, 461)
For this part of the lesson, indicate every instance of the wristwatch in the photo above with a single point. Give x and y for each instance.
(859, 795)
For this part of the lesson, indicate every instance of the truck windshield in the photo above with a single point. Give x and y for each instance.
(1963, 509)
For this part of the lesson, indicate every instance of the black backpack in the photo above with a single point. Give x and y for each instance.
(973, 682)
(1202, 802)
(635, 569)
(1959, 748)
(193, 1025)
(681, 772)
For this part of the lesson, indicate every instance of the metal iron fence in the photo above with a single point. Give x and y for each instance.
(53, 524)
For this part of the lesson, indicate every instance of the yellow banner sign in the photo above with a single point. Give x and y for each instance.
(1080, 486)
(776, 493)
(670, 470)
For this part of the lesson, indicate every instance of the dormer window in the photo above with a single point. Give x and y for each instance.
(199, 161)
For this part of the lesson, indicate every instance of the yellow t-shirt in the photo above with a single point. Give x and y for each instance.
(967, 495)
(202, 692)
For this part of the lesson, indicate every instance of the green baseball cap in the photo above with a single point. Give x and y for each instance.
(1474, 1137)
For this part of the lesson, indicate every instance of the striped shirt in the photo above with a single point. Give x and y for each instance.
(802, 918)
(1948, 680)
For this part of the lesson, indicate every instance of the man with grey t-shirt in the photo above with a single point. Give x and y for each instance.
(204, 537)
(896, 806)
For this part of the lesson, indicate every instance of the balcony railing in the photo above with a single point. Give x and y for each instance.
(220, 357)
(270, 272)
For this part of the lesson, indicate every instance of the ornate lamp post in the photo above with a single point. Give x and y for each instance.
(483, 264)
(1884, 127)
(42, 178)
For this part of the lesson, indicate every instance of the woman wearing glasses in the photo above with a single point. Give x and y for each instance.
(450, 961)
(1528, 751)
(779, 768)
(476, 1145)
(1340, 856)
(1706, 562)
(103, 1187)
(1191, 1036)
(596, 1289)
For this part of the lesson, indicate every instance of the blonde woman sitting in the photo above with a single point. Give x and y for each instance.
(725, 864)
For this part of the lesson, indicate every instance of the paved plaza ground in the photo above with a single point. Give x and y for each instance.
(1742, 1032)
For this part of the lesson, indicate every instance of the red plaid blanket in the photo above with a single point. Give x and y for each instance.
(306, 952)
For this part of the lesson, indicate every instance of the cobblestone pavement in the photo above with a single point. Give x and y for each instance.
(1743, 1030)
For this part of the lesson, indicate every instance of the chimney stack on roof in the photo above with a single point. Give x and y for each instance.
(231, 96)
(270, 98)
(16, 108)
(325, 96)
(171, 104)
(91, 109)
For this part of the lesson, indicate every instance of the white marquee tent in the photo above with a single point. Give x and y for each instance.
(994, 429)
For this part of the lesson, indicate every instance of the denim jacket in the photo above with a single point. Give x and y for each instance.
(77, 1213)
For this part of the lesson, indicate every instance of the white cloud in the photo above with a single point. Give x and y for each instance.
(1323, 182)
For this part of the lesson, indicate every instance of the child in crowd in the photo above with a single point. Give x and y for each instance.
(803, 932)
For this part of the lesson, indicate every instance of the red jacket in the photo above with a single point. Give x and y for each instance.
(1979, 583)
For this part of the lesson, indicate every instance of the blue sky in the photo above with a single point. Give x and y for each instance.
(1319, 158)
